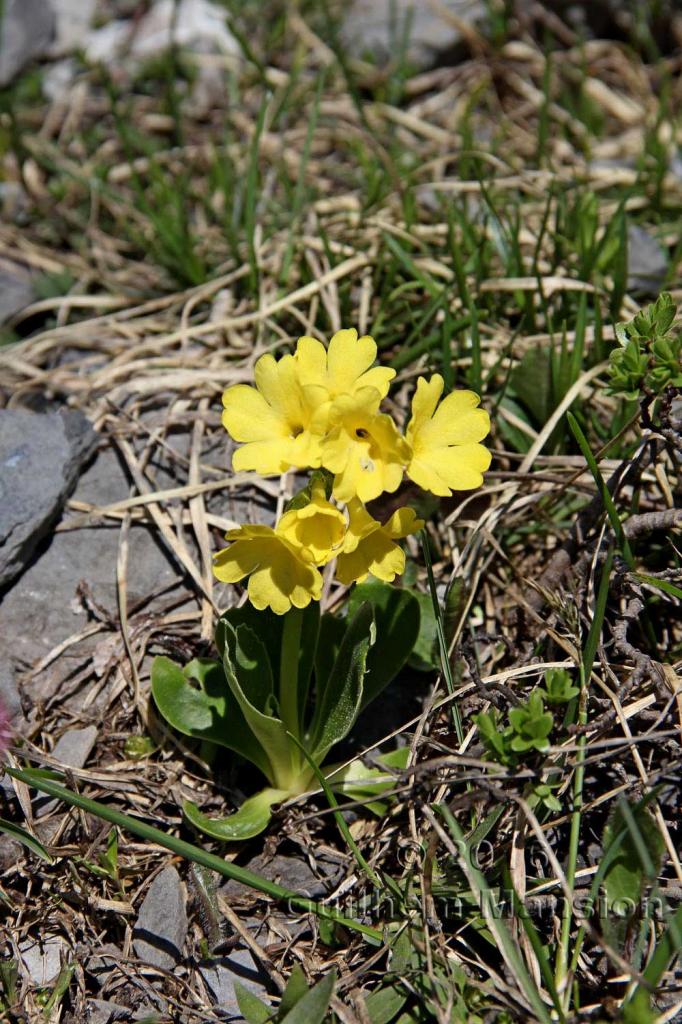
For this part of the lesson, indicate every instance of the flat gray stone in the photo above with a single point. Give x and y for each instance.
(647, 262)
(377, 27)
(41, 455)
(161, 926)
(42, 959)
(221, 973)
(74, 747)
(45, 594)
(101, 1011)
(292, 872)
(25, 33)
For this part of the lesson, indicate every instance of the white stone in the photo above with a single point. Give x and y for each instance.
(378, 27)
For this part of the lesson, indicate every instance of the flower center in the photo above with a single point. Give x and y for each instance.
(361, 433)
(296, 430)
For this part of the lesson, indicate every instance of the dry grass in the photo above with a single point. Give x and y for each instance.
(147, 362)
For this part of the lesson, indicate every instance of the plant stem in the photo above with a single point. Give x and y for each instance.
(288, 673)
(189, 851)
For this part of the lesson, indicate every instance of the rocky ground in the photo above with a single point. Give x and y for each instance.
(115, 481)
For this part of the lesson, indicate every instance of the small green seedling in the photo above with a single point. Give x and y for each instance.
(558, 688)
(650, 355)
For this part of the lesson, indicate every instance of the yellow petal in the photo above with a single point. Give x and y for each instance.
(444, 469)
(424, 404)
(234, 563)
(278, 383)
(311, 360)
(348, 357)
(379, 377)
(458, 421)
(375, 554)
(268, 458)
(247, 416)
(402, 523)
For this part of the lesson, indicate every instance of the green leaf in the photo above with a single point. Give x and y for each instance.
(383, 1004)
(25, 838)
(340, 699)
(532, 383)
(425, 654)
(332, 629)
(208, 711)
(297, 986)
(312, 1007)
(558, 688)
(358, 782)
(253, 671)
(252, 818)
(252, 1009)
(638, 860)
(397, 618)
(268, 628)
(241, 645)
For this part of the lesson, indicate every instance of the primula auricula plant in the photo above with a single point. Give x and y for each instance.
(290, 681)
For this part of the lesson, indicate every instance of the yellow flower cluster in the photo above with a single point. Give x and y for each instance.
(320, 409)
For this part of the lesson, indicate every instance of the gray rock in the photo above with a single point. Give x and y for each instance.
(161, 926)
(40, 458)
(25, 33)
(101, 1011)
(16, 289)
(74, 747)
(221, 973)
(647, 262)
(378, 27)
(196, 25)
(42, 959)
(292, 872)
(44, 596)
(71, 749)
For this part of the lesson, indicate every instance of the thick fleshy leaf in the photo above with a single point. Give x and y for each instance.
(207, 710)
(252, 1009)
(397, 615)
(355, 781)
(253, 671)
(340, 695)
(634, 848)
(312, 1007)
(250, 820)
(268, 628)
(240, 647)
(332, 628)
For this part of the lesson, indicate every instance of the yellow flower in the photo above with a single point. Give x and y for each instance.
(344, 367)
(446, 455)
(274, 419)
(363, 447)
(279, 574)
(370, 547)
(318, 527)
